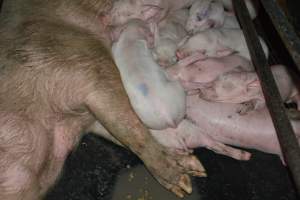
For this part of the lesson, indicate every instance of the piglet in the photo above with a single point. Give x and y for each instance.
(205, 14)
(244, 87)
(158, 101)
(217, 43)
(221, 122)
(178, 139)
(168, 34)
(206, 70)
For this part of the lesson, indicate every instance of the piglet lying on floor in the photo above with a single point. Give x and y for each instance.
(221, 122)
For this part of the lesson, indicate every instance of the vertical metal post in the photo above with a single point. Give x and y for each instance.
(284, 29)
(287, 139)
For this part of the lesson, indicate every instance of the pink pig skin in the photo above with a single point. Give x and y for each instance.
(220, 121)
(188, 136)
(243, 86)
(207, 70)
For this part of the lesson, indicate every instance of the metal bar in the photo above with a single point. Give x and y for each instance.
(284, 28)
(287, 139)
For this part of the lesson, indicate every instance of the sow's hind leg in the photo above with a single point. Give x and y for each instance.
(20, 159)
(110, 105)
(17, 181)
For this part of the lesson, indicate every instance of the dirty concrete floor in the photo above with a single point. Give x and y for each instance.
(91, 172)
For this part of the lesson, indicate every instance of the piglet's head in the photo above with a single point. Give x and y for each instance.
(204, 15)
(233, 87)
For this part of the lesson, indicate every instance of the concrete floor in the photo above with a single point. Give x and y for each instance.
(92, 169)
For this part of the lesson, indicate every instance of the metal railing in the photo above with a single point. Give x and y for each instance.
(286, 136)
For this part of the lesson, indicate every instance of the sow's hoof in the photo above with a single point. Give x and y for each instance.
(172, 170)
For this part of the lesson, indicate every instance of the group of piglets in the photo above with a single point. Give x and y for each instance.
(189, 76)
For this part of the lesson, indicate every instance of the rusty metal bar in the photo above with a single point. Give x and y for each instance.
(284, 28)
(285, 133)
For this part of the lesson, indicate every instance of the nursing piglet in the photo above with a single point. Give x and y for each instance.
(220, 121)
(168, 34)
(201, 72)
(159, 102)
(241, 86)
(217, 43)
(205, 14)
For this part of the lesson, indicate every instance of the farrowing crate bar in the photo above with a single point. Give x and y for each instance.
(286, 136)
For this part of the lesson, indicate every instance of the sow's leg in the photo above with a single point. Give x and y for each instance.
(20, 154)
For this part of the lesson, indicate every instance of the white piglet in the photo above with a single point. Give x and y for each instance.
(168, 34)
(158, 101)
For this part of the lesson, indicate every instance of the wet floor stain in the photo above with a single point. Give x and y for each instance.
(136, 183)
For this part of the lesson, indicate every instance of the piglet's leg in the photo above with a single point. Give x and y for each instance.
(110, 105)
(195, 137)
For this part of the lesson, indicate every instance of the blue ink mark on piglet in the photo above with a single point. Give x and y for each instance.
(143, 88)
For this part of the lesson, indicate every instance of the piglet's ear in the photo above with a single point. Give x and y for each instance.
(150, 11)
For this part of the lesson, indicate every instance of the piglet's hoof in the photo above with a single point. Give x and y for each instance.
(173, 170)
